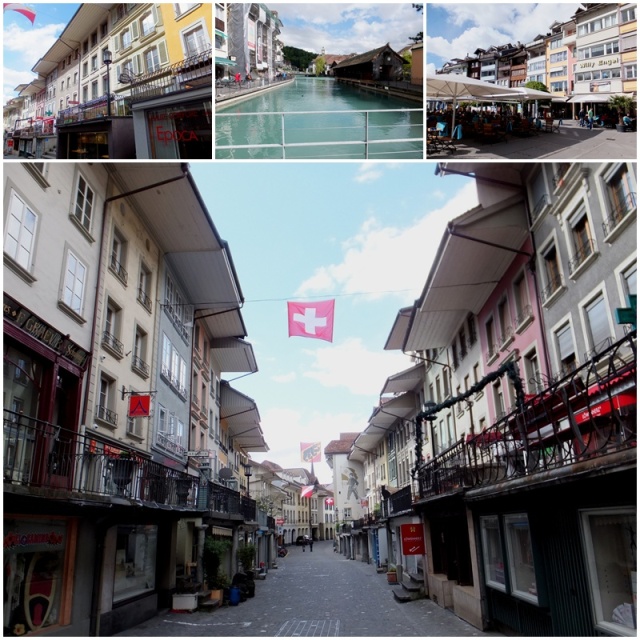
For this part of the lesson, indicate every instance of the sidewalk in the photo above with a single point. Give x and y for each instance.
(572, 142)
(232, 90)
(319, 593)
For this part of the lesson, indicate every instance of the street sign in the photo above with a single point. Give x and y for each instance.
(199, 454)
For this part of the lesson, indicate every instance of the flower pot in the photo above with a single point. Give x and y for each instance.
(216, 594)
(620, 127)
(392, 577)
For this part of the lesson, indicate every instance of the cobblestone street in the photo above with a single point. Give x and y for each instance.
(317, 593)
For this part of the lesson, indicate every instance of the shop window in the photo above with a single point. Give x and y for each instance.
(520, 554)
(20, 233)
(492, 553)
(83, 207)
(135, 561)
(610, 548)
(34, 575)
(74, 283)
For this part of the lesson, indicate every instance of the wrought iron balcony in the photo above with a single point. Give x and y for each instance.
(195, 70)
(113, 344)
(118, 269)
(140, 365)
(620, 212)
(577, 419)
(42, 457)
(582, 253)
(554, 284)
(94, 110)
(144, 299)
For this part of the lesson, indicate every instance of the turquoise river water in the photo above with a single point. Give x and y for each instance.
(320, 116)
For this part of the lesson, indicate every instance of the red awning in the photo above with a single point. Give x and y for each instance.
(605, 407)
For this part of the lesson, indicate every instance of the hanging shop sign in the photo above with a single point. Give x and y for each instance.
(412, 540)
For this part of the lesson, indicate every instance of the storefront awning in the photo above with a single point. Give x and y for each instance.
(222, 531)
(596, 97)
(225, 62)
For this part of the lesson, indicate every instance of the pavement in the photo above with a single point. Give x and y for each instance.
(318, 593)
(571, 142)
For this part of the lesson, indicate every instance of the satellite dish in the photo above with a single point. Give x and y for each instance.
(226, 473)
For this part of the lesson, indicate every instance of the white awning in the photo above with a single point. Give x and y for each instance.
(596, 97)
(222, 531)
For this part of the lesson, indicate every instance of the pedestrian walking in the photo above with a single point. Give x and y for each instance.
(304, 544)
(581, 116)
(590, 116)
(310, 544)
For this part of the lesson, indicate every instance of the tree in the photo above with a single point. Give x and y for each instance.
(298, 58)
(538, 86)
(320, 66)
(622, 104)
(419, 37)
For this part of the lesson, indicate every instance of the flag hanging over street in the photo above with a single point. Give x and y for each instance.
(311, 319)
(28, 13)
(305, 492)
(310, 451)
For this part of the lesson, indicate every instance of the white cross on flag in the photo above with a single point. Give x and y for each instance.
(311, 319)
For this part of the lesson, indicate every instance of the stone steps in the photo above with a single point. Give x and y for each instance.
(411, 588)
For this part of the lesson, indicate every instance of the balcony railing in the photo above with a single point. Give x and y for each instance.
(144, 299)
(111, 342)
(195, 70)
(619, 213)
(581, 254)
(118, 269)
(586, 415)
(43, 456)
(554, 284)
(94, 110)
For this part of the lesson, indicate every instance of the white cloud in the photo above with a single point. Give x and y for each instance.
(487, 24)
(284, 429)
(377, 258)
(351, 366)
(373, 25)
(285, 377)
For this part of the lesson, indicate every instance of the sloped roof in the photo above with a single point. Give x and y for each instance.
(343, 445)
(362, 58)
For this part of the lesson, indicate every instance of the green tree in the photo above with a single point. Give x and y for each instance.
(538, 86)
(320, 66)
(298, 58)
(622, 104)
(419, 37)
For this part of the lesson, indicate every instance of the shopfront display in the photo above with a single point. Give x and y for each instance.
(36, 571)
(181, 131)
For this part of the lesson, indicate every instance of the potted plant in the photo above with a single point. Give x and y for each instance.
(623, 105)
(392, 574)
(246, 555)
(213, 552)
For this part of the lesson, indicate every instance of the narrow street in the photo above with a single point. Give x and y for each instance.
(317, 593)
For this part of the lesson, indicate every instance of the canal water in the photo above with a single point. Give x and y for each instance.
(322, 115)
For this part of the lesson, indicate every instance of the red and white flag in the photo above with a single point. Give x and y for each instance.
(27, 12)
(305, 492)
(311, 319)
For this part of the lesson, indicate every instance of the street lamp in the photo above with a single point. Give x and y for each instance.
(107, 59)
(248, 474)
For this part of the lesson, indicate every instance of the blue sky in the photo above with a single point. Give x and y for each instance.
(343, 28)
(23, 44)
(362, 234)
(455, 29)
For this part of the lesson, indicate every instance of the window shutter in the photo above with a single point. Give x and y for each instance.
(135, 31)
(116, 43)
(565, 343)
(137, 64)
(162, 52)
(157, 15)
(118, 72)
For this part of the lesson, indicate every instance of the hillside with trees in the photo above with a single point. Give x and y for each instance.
(298, 58)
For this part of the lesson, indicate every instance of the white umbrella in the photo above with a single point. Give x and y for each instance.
(454, 87)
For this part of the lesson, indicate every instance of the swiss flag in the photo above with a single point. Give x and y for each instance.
(311, 319)
(305, 492)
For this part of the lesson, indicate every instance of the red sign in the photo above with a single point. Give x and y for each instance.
(279, 521)
(139, 406)
(10, 143)
(412, 540)
(605, 408)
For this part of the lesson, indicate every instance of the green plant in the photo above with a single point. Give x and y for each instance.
(622, 104)
(213, 552)
(392, 568)
(246, 555)
(222, 580)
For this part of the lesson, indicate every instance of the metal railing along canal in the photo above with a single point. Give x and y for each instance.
(379, 133)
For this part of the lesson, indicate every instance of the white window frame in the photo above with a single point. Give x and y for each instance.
(70, 282)
(194, 26)
(23, 233)
(83, 217)
(494, 520)
(611, 628)
(515, 588)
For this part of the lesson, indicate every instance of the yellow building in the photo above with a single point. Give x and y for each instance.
(628, 47)
(188, 29)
